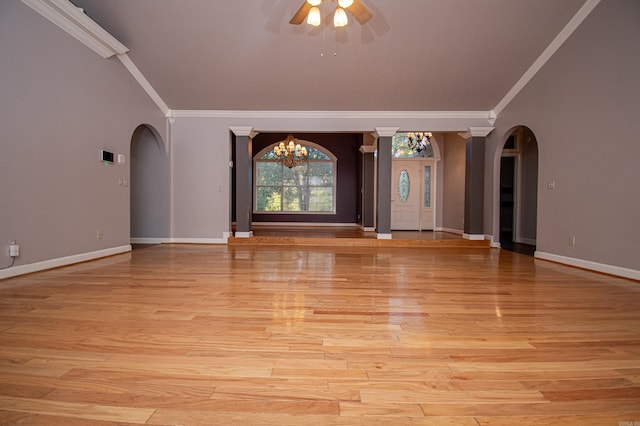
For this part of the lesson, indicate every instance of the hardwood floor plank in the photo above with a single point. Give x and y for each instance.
(31, 419)
(433, 396)
(596, 420)
(286, 335)
(389, 410)
(76, 410)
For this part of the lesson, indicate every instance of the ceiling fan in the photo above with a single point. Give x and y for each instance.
(309, 11)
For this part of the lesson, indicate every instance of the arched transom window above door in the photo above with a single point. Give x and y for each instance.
(401, 147)
(306, 188)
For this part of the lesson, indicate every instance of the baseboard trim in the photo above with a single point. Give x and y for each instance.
(244, 234)
(223, 240)
(450, 230)
(473, 237)
(62, 261)
(492, 244)
(592, 266)
(142, 240)
(383, 236)
(529, 241)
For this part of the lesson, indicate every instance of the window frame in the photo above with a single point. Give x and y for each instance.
(333, 160)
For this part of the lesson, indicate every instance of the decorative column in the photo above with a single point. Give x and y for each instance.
(244, 182)
(367, 193)
(474, 183)
(383, 189)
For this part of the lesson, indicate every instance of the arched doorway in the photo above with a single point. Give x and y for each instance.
(150, 196)
(518, 185)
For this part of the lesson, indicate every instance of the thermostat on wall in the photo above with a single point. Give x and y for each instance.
(106, 156)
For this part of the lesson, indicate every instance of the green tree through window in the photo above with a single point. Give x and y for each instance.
(307, 188)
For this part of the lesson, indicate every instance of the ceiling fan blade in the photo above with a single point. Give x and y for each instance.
(301, 14)
(360, 12)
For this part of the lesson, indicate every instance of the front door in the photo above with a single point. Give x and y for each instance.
(412, 194)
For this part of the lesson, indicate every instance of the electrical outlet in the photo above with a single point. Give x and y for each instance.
(572, 240)
(14, 249)
(99, 234)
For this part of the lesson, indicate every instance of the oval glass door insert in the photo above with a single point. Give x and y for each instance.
(404, 186)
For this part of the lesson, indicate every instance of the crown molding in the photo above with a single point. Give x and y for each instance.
(75, 22)
(553, 47)
(144, 83)
(331, 114)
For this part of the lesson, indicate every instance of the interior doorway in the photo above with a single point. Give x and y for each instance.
(150, 181)
(519, 191)
(507, 198)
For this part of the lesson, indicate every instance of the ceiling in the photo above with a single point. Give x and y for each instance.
(414, 55)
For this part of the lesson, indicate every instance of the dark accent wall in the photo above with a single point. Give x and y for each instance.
(529, 214)
(345, 146)
(474, 186)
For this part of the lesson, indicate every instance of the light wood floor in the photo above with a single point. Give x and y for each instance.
(344, 232)
(224, 335)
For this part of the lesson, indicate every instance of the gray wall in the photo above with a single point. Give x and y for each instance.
(453, 163)
(150, 181)
(583, 108)
(60, 104)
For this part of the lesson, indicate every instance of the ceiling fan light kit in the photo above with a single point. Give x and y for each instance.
(310, 12)
(340, 18)
(314, 17)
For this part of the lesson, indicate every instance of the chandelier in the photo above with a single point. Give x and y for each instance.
(340, 18)
(290, 153)
(419, 141)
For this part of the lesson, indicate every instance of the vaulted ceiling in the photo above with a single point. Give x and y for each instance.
(414, 55)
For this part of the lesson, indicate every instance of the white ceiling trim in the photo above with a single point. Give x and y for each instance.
(142, 80)
(75, 22)
(553, 47)
(331, 114)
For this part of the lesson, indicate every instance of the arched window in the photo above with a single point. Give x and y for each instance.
(306, 188)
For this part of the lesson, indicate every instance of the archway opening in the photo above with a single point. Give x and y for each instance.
(150, 197)
(519, 191)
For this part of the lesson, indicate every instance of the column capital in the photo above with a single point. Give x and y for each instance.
(385, 131)
(482, 132)
(242, 130)
(367, 149)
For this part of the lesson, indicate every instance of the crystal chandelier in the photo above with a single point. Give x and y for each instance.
(290, 153)
(419, 141)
